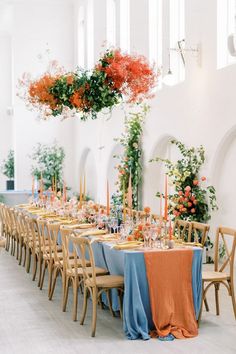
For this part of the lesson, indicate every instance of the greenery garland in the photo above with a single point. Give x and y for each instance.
(130, 161)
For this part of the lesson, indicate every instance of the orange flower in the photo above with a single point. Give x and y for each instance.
(195, 182)
(147, 210)
(39, 91)
(130, 238)
(69, 79)
(203, 178)
(193, 210)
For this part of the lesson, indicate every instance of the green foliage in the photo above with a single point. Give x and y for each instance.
(191, 200)
(130, 161)
(48, 161)
(8, 167)
(1, 198)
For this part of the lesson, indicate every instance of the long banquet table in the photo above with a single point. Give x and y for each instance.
(137, 315)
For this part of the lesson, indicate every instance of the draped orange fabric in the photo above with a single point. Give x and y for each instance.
(169, 274)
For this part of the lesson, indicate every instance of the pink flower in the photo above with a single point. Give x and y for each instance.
(188, 189)
(193, 210)
(203, 178)
(180, 192)
(195, 182)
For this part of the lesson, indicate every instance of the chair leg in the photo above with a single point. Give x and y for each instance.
(28, 259)
(66, 294)
(20, 252)
(206, 304)
(85, 303)
(17, 248)
(40, 260)
(217, 286)
(43, 274)
(200, 312)
(50, 269)
(120, 298)
(24, 255)
(94, 315)
(75, 297)
(108, 292)
(35, 266)
(54, 279)
(233, 298)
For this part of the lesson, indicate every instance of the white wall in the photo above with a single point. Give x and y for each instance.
(37, 25)
(198, 111)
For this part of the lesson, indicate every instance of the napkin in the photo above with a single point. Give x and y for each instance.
(193, 244)
(93, 233)
(127, 245)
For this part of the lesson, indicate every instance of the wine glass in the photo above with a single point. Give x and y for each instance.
(146, 234)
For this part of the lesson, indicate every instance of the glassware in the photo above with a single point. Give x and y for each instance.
(146, 234)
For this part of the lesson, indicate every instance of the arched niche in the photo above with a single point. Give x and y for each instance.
(223, 174)
(87, 167)
(154, 176)
(112, 173)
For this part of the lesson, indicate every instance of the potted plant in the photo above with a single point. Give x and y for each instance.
(8, 169)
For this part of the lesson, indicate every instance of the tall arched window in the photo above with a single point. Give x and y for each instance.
(111, 22)
(226, 25)
(90, 34)
(81, 37)
(125, 25)
(155, 32)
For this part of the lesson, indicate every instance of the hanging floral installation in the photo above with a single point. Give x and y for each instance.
(130, 160)
(117, 77)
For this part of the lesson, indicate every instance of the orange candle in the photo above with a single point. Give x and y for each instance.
(80, 192)
(166, 200)
(130, 193)
(161, 216)
(108, 199)
(170, 231)
(124, 206)
(33, 186)
(84, 188)
(64, 192)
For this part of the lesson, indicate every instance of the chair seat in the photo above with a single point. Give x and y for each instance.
(214, 276)
(110, 281)
(99, 271)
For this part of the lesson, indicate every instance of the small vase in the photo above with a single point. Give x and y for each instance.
(171, 244)
(10, 185)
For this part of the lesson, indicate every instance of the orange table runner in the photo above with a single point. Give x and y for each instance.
(169, 275)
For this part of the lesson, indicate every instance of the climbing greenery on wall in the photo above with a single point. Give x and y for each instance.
(130, 161)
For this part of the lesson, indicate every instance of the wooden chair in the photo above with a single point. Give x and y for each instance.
(220, 275)
(94, 283)
(198, 232)
(48, 254)
(73, 274)
(182, 229)
(3, 223)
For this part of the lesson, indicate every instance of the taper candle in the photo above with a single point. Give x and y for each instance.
(166, 200)
(124, 206)
(84, 188)
(108, 199)
(80, 192)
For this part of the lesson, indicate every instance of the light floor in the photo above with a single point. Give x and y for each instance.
(31, 324)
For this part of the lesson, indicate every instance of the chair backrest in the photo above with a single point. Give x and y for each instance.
(225, 234)
(181, 229)
(44, 239)
(33, 226)
(198, 232)
(65, 232)
(53, 231)
(83, 250)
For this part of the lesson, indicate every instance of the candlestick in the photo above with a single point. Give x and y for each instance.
(84, 188)
(64, 192)
(130, 193)
(124, 206)
(166, 200)
(32, 186)
(80, 192)
(108, 199)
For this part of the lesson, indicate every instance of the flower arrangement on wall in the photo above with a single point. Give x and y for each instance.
(48, 163)
(130, 161)
(115, 78)
(192, 199)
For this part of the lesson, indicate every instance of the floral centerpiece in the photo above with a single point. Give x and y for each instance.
(116, 77)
